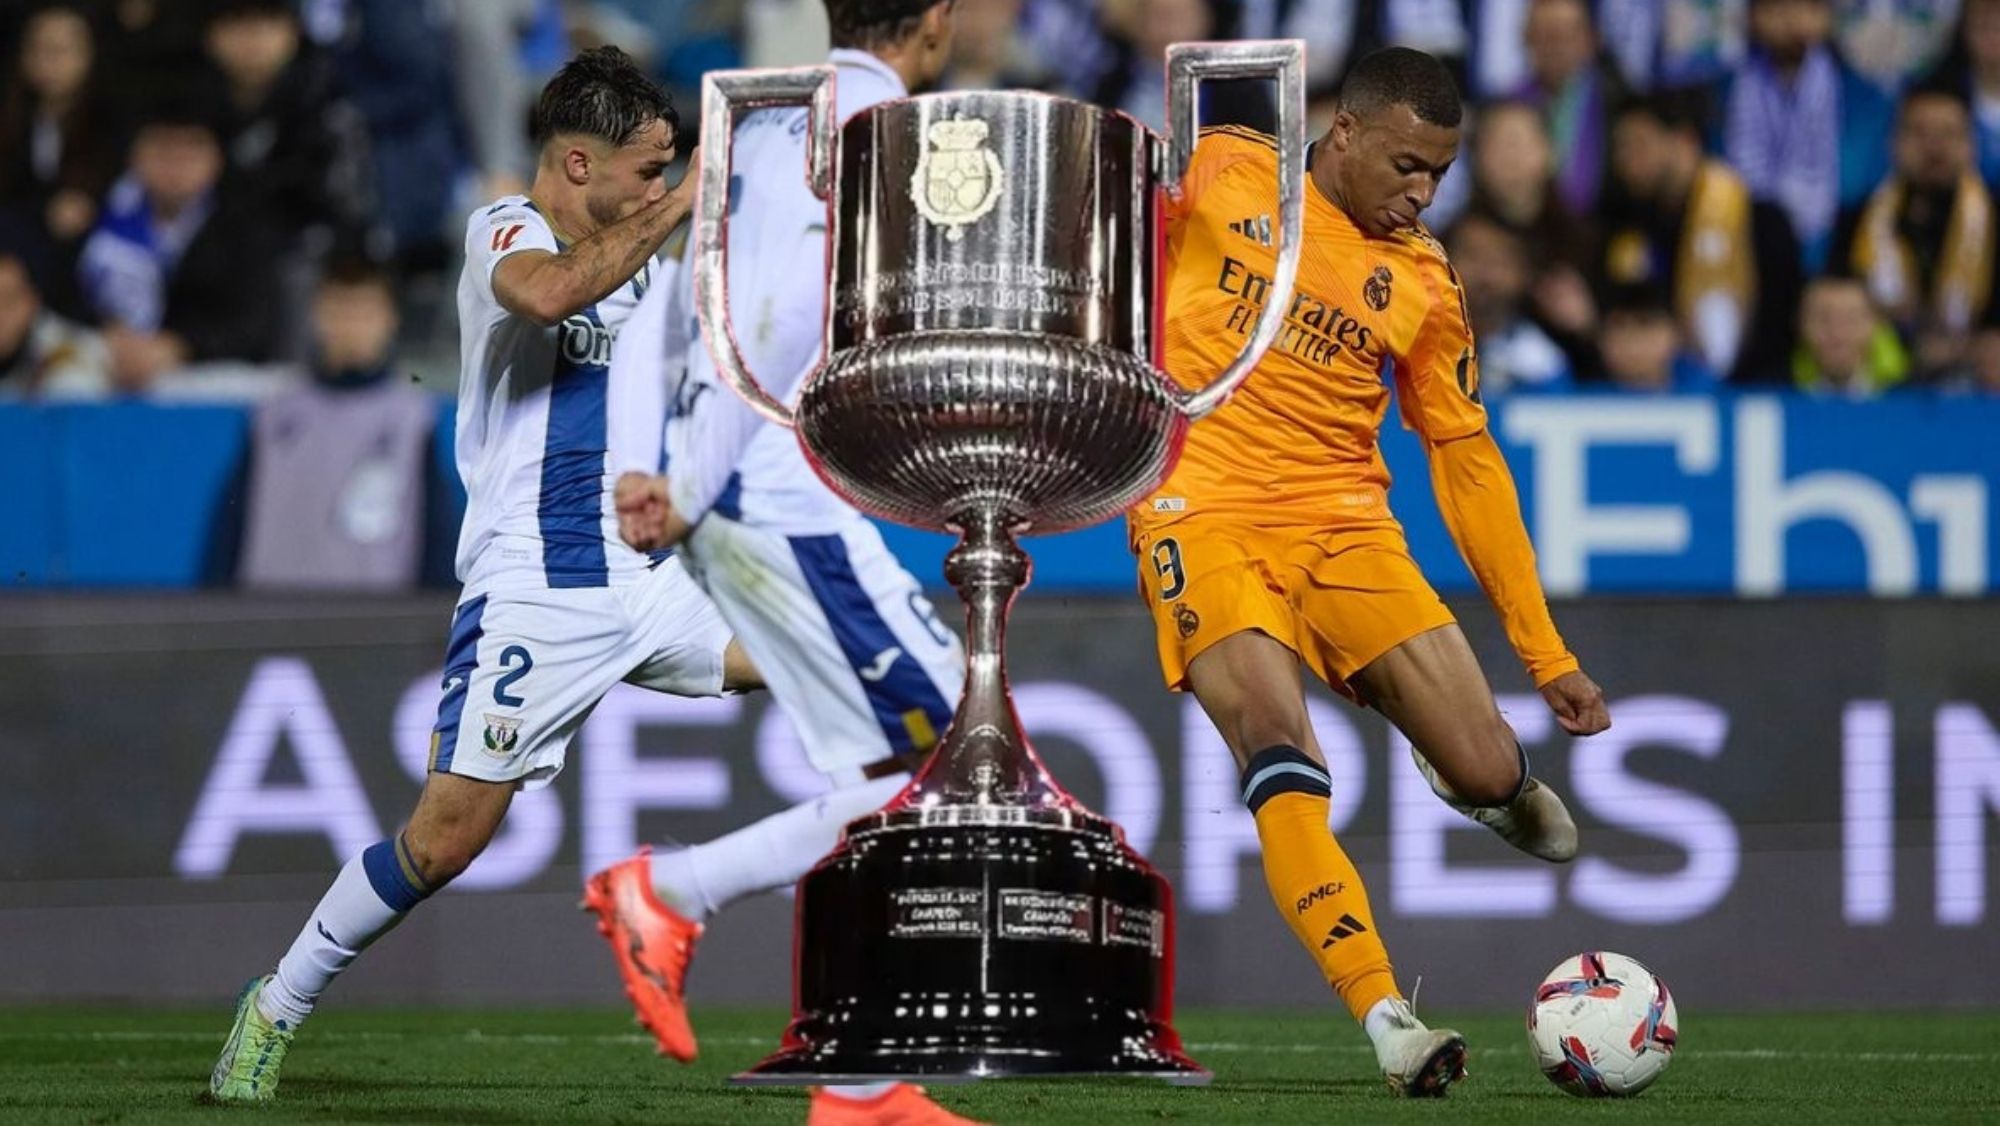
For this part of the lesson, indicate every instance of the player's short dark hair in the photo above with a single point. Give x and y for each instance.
(602, 93)
(1400, 76)
(864, 25)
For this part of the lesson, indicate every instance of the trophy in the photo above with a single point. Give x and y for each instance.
(989, 370)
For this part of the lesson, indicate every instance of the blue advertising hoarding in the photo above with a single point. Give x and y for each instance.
(1753, 494)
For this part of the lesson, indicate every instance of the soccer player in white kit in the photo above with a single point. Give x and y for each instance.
(840, 632)
(556, 609)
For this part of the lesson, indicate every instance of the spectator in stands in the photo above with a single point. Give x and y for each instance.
(987, 50)
(1891, 43)
(496, 87)
(1513, 170)
(1802, 128)
(1577, 89)
(1514, 353)
(1846, 348)
(291, 141)
(1729, 263)
(393, 73)
(1984, 378)
(58, 145)
(1137, 82)
(1643, 346)
(42, 354)
(152, 45)
(180, 271)
(1972, 68)
(1925, 242)
(338, 468)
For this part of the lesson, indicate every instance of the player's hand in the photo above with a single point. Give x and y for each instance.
(642, 504)
(682, 194)
(1578, 703)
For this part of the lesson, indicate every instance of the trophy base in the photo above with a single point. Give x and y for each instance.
(958, 942)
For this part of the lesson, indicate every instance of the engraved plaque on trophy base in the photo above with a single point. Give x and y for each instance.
(956, 951)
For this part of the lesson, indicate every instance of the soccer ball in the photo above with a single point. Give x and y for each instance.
(1602, 1024)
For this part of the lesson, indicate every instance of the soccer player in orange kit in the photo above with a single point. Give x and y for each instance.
(1272, 543)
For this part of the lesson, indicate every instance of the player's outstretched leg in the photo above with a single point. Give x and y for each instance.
(1432, 689)
(1535, 820)
(651, 907)
(1249, 685)
(881, 1104)
(454, 819)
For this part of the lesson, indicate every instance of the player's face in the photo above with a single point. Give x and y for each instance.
(1391, 163)
(631, 176)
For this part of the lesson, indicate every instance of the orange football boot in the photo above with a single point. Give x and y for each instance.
(653, 944)
(902, 1105)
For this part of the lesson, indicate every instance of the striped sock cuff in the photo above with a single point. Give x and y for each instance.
(393, 875)
(1283, 770)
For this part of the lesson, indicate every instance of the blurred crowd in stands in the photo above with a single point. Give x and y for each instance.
(1655, 195)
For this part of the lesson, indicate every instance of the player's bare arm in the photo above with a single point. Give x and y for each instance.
(546, 287)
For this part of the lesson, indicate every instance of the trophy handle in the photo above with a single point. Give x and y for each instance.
(1188, 65)
(725, 93)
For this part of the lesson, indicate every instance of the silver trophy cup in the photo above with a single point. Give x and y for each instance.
(990, 370)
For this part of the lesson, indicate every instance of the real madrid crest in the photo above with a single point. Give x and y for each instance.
(958, 179)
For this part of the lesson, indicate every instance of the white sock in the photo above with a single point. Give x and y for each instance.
(1381, 1019)
(369, 897)
(700, 880)
(860, 1092)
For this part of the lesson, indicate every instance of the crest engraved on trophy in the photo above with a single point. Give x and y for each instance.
(958, 179)
(988, 370)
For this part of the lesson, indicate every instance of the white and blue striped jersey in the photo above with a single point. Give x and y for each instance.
(721, 455)
(543, 427)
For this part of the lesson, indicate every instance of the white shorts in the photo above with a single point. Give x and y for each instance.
(525, 668)
(843, 635)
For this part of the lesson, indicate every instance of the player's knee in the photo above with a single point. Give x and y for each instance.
(440, 853)
(1249, 734)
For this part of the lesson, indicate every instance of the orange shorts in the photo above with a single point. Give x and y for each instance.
(1339, 597)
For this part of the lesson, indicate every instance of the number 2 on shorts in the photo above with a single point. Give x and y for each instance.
(508, 657)
(1167, 561)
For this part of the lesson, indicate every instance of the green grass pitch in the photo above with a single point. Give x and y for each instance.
(145, 1067)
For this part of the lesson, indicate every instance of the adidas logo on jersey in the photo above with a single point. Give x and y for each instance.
(1257, 230)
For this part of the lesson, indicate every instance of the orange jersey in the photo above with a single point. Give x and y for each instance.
(1298, 446)
(1298, 443)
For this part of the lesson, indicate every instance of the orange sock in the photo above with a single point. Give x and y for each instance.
(1314, 884)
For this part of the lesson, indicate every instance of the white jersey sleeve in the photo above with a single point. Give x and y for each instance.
(509, 227)
(646, 364)
(777, 303)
